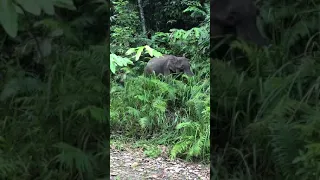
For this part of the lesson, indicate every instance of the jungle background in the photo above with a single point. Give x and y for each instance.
(160, 111)
(266, 108)
(54, 92)
(163, 116)
(53, 99)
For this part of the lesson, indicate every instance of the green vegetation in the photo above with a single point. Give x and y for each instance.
(171, 111)
(52, 100)
(54, 89)
(267, 109)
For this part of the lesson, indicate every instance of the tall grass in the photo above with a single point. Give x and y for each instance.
(266, 114)
(56, 128)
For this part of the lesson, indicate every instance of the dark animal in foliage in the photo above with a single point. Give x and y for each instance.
(236, 18)
(168, 64)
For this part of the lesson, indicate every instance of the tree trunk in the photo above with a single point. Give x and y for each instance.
(143, 21)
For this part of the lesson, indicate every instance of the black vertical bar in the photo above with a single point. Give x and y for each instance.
(106, 80)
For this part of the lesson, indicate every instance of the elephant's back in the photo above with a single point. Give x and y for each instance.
(156, 64)
(158, 60)
(161, 59)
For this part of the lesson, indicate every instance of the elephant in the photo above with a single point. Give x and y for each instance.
(235, 17)
(168, 64)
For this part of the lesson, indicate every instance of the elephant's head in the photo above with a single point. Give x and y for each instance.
(180, 64)
(236, 17)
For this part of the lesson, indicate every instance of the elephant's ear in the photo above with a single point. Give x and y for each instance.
(166, 71)
(171, 65)
(182, 62)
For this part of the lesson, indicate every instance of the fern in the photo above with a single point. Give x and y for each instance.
(7, 167)
(74, 159)
(20, 86)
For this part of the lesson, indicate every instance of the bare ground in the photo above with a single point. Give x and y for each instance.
(131, 163)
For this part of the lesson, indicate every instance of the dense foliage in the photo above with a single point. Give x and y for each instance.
(267, 108)
(54, 90)
(172, 111)
(53, 100)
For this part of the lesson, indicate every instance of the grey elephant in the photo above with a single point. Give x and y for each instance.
(235, 17)
(168, 64)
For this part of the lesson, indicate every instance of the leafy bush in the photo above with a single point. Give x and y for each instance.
(266, 111)
(174, 110)
(53, 98)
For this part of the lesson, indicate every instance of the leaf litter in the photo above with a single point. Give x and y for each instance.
(132, 163)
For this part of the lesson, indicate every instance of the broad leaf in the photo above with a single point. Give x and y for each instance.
(139, 52)
(56, 33)
(9, 17)
(112, 67)
(46, 47)
(68, 4)
(46, 6)
(30, 6)
(149, 50)
(130, 51)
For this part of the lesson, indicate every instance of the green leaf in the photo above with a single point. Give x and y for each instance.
(149, 50)
(130, 51)
(56, 33)
(47, 6)
(18, 9)
(45, 47)
(67, 4)
(196, 31)
(118, 61)
(112, 67)
(186, 35)
(97, 114)
(143, 122)
(156, 53)
(9, 17)
(30, 6)
(73, 157)
(28, 47)
(139, 52)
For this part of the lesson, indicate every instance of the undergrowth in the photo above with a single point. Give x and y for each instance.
(53, 98)
(172, 111)
(266, 115)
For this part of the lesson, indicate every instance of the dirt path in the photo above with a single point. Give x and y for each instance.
(132, 164)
